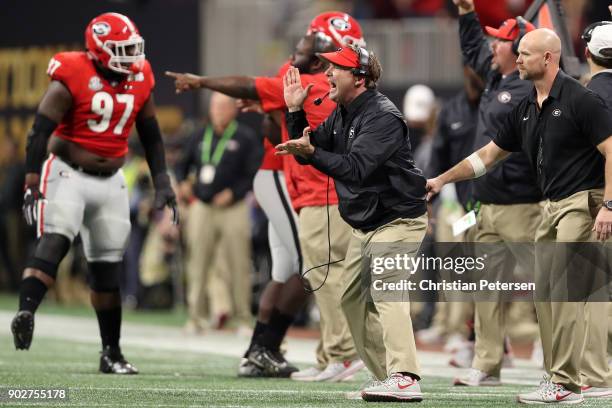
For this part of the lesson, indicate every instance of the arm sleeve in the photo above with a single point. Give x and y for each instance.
(153, 145)
(474, 45)
(321, 137)
(270, 91)
(379, 138)
(507, 136)
(253, 155)
(595, 118)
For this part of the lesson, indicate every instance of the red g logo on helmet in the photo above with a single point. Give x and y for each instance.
(114, 41)
(340, 27)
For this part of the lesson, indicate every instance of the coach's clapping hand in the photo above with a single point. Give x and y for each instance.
(185, 82)
(295, 95)
(603, 224)
(297, 147)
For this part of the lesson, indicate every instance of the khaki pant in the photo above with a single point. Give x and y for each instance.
(451, 317)
(574, 334)
(336, 344)
(218, 261)
(499, 223)
(382, 331)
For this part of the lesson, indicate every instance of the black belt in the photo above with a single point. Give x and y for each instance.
(95, 173)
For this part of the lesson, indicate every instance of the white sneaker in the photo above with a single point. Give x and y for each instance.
(431, 335)
(454, 343)
(549, 392)
(463, 356)
(336, 372)
(397, 387)
(309, 374)
(477, 378)
(596, 392)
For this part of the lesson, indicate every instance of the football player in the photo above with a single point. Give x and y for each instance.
(83, 122)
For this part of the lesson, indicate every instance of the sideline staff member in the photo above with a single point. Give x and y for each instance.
(565, 131)
(364, 146)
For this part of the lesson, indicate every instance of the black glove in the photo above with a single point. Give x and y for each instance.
(164, 195)
(31, 198)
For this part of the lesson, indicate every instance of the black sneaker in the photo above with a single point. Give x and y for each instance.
(112, 362)
(272, 363)
(22, 327)
(246, 369)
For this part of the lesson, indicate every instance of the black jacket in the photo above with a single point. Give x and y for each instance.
(238, 165)
(365, 148)
(512, 181)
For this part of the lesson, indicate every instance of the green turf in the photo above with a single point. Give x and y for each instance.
(187, 379)
(176, 317)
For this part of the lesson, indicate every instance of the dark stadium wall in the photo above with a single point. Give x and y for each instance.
(31, 31)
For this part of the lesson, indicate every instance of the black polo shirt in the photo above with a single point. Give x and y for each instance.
(560, 139)
(601, 84)
(513, 181)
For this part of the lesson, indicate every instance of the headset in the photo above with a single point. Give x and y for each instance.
(522, 27)
(588, 31)
(364, 62)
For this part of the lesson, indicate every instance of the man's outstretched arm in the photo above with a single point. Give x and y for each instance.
(473, 166)
(234, 86)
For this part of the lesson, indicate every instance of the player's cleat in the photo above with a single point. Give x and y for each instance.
(112, 362)
(307, 375)
(596, 392)
(396, 388)
(22, 327)
(246, 369)
(272, 363)
(550, 393)
(477, 378)
(336, 372)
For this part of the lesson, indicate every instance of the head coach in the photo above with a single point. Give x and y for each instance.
(565, 131)
(363, 145)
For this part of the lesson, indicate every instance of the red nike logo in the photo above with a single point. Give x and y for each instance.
(559, 397)
(402, 387)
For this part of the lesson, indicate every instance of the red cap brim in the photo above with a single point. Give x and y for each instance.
(345, 57)
(494, 32)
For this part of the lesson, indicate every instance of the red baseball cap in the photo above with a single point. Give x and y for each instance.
(345, 57)
(509, 30)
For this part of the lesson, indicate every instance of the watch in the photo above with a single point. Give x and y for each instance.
(607, 204)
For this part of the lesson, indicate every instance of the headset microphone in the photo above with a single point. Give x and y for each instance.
(319, 101)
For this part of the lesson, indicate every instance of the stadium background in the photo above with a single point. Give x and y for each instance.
(416, 41)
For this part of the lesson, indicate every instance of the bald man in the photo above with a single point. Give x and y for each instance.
(223, 157)
(564, 129)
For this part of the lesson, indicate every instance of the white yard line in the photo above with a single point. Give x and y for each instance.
(164, 338)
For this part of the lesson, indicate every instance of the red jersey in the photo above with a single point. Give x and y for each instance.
(270, 160)
(102, 112)
(306, 185)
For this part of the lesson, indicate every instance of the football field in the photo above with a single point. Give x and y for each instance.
(178, 370)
